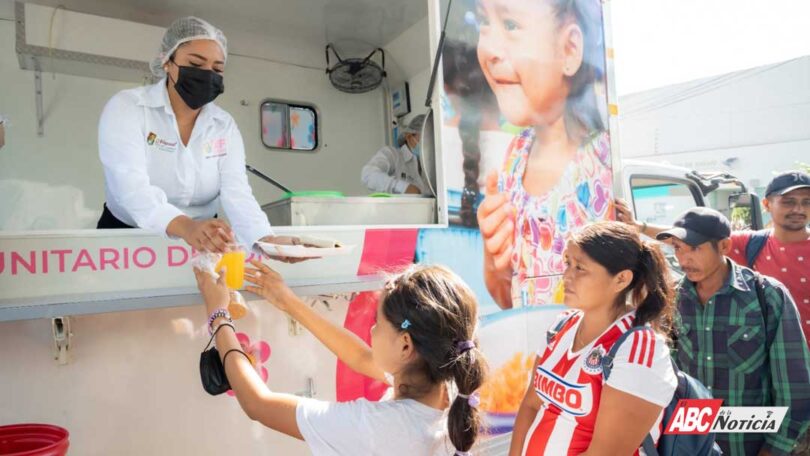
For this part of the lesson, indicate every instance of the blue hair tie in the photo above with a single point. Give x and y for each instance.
(405, 324)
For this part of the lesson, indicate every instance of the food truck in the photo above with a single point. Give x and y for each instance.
(102, 329)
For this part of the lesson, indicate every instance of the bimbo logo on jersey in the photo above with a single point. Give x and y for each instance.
(572, 398)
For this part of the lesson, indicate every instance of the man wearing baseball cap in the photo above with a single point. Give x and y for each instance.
(747, 351)
(782, 252)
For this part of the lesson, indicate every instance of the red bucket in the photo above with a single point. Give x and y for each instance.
(33, 440)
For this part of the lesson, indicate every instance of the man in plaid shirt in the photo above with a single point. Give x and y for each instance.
(747, 352)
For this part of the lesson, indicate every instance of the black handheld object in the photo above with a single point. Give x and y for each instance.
(212, 372)
(267, 178)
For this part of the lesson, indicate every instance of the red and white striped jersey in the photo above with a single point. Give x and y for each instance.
(570, 384)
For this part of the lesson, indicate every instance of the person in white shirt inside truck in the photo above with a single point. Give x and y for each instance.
(171, 156)
(398, 169)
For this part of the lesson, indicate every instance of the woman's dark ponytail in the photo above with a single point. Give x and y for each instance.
(652, 290)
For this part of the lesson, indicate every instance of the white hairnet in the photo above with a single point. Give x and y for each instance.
(181, 31)
(413, 127)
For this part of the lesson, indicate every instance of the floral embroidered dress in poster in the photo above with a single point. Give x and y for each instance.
(583, 194)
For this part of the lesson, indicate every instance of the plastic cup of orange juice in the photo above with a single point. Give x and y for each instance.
(234, 263)
(237, 307)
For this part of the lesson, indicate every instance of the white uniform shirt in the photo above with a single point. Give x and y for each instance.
(384, 428)
(151, 177)
(391, 170)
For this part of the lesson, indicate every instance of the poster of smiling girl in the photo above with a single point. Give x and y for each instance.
(525, 137)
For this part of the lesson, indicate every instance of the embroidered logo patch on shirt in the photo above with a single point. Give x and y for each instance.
(160, 144)
(592, 363)
(166, 146)
(215, 148)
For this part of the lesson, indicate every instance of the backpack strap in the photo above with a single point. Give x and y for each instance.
(759, 286)
(607, 366)
(755, 245)
(607, 360)
(649, 446)
(552, 333)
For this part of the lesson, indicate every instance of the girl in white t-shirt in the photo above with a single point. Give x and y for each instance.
(613, 281)
(423, 340)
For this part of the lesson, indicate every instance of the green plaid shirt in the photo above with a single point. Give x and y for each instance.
(747, 355)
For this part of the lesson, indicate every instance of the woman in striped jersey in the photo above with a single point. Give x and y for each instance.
(613, 281)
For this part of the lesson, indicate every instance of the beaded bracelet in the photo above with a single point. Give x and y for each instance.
(216, 314)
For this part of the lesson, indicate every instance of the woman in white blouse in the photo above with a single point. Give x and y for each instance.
(171, 156)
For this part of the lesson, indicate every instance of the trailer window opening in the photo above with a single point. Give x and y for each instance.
(289, 126)
(659, 201)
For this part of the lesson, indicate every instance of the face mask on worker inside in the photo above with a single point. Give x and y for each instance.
(198, 87)
(417, 150)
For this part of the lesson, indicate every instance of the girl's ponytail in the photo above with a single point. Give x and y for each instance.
(442, 315)
(464, 421)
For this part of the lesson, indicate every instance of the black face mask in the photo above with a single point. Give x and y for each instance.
(212, 373)
(198, 87)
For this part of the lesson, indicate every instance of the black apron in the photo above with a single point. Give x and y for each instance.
(108, 220)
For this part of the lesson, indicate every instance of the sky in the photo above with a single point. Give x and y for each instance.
(663, 42)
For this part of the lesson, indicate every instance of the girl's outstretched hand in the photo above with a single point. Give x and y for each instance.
(268, 284)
